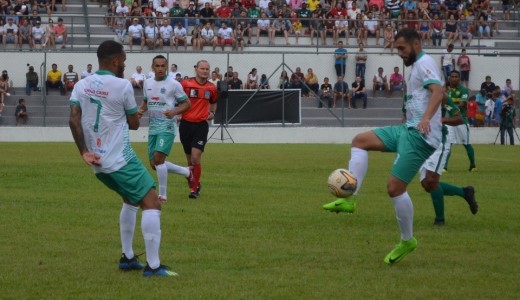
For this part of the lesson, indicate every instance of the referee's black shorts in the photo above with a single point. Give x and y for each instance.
(193, 135)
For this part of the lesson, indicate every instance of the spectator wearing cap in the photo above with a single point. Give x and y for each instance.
(192, 14)
(60, 33)
(10, 32)
(37, 34)
(136, 34)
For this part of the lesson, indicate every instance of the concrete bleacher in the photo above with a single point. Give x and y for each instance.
(89, 12)
(380, 111)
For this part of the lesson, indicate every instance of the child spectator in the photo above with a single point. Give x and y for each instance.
(472, 109)
(21, 112)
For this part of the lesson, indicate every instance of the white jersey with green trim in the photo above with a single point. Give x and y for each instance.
(423, 73)
(161, 96)
(105, 101)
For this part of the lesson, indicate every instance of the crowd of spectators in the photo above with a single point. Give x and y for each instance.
(236, 22)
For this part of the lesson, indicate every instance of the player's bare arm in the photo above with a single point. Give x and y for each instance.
(212, 110)
(142, 109)
(453, 120)
(183, 106)
(133, 121)
(89, 158)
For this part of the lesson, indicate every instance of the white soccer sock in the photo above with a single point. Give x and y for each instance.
(151, 227)
(358, 165)
(173, 168)
(162, 176)
(404, 213)
(127, 227)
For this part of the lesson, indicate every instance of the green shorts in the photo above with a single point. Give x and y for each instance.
(132, 181)
(412, 150)
(162, 142)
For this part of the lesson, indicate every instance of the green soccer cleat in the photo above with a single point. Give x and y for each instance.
(341, 205)
(400, 251)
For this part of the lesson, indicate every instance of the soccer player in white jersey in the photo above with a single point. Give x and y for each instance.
(413, 141)
(102, 110)
(161, 95)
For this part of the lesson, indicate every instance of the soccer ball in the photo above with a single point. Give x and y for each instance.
(342, 183)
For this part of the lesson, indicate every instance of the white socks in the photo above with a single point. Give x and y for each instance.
(151, 227)
(127, 227)
(358, 165)
(173, 168)
(162, 176)
(404, 213)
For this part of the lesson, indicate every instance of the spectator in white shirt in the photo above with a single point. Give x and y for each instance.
(166, 32)
(152, 36)
(136, 34)
(138, 78)
(180, 36)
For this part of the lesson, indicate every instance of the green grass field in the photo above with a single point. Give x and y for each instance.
(258, 231)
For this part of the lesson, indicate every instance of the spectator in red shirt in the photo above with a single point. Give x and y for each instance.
(223, 14)
(471, 111)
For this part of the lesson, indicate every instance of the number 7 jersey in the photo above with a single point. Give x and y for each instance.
(105, 101)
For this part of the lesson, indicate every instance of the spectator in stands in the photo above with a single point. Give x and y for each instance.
(488, 86)
(297, 79)
(464, 64)
(411, 21)
(173, 71)
(70, 78)
(136, 10)
(396, 82)
(315, 27)
(181, 36)
(471, 111)
(328, 29)
(508, 89)
(451, 30)
(304, 14)
(20, 112)
(54, 80)
(340, 59)
(138, 78)
(235, 83)
(229, 73)
(464, 31)
(122, 8)
(359, 91)
(246, 26)
(283, 81)
(136, 34)
(492, 21)
(50, 35)
(436, 33)
(394, 6)
(264, 83)
(252, 80)
(506, 8)
(226, 37)
(192, 15)
(448, 61)
(341, 27)
(149, 10)
(379, 82)
(388, 36)
(238, 32)
(38, 35)
(162, 8)
(166, 33)
(152, 37)
(311, 80)
(24, 34)
(10, 32)
(219, 75)
(177, 14)
(264, 27)
(88, 72)
(120, 26)
(483, 27)
(109, 15)
(214, 79)
(281, 27)
(410, 6)
(325, 93)
(341, 92)
(42, 6)
(31, 81)
(361, 61)
(371, 28)
(34, 18)
(207, 36)
(60, 33)
(4, 88)
(296, 27)
(223, 14)
(207, 14)
(425, 30)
